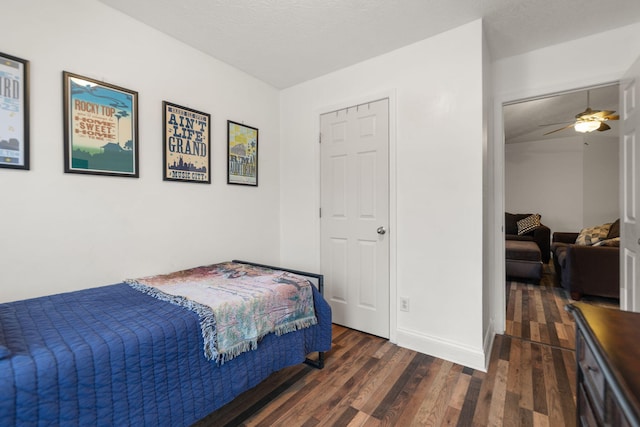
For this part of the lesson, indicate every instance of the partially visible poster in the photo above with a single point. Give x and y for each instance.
(14, 112)
(101, 127)
(242, 153)
(187, 153)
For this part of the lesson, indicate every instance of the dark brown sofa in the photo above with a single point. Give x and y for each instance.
(587, 270)
(540, 235)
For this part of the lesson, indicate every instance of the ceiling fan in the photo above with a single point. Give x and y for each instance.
(590, 120)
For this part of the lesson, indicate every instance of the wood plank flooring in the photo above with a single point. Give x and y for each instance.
(536, 313)
(368, 381)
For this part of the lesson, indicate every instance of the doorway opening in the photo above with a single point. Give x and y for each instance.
(571, 179)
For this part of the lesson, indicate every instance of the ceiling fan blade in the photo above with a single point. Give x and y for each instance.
(558, 130)
(587, 112)
(612, 117)
(603, 127)
(599, 115)
(559, 123)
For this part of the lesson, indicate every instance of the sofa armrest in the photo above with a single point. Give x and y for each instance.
(542, 236)
(565, 237)
(594, 270)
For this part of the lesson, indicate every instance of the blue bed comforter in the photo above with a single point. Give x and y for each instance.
(115, 356)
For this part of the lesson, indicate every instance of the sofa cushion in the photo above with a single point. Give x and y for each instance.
(609, 242)
(556, 245)
(522, 250)
(527, 224)
(614, 230)
(561, 255)
(590, 235)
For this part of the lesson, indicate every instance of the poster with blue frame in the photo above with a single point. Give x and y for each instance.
(100, 129)
(14, 112)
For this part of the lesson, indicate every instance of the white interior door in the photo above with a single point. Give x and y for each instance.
(629, 221)
(354, 221)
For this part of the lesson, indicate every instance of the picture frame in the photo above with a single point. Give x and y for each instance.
(14, 112)
(242, 154)
(187, 144)
(100, 127)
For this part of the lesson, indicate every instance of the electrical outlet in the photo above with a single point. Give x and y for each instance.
(404, 304)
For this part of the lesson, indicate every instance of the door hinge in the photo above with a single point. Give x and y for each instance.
(320, 212)
(320, 138)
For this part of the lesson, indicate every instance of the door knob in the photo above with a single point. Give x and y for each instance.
(381, 230)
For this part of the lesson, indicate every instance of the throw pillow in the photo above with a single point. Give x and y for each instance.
(609, 242)
(527, 224)
(591, 235)
(614, 231)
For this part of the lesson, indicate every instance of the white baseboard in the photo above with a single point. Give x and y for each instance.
(489, 338)
(455, 352)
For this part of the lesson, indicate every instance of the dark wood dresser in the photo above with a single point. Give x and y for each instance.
(608, 371)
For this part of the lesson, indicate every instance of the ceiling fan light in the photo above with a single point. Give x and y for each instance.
(586, 126)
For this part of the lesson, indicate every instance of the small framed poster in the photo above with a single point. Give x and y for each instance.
(14, 112)
(242, 154)
(100, 127)
(187, 144)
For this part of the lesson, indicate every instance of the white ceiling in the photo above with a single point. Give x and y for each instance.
(531, 119)
(285, 42)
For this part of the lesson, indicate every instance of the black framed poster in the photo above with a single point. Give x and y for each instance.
(187, 144)
(14, 112)
(100, 127)
(242, 154)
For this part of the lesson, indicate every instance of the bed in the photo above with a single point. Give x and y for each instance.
(114, 355)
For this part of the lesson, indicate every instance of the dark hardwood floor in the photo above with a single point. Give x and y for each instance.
(368, 381)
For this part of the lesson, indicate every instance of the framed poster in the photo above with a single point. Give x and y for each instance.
(187, 144)
(242, 154)
(14, 112)
(100, 128)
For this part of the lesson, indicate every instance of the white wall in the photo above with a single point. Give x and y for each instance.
(437, 169)
(572, 182)
(565, 66)
(601, 189)
(545, 71)
(546, 177)
(69, 231)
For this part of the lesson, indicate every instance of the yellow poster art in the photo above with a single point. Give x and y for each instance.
(242, 150)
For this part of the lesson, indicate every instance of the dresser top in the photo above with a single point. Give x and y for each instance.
(615, 334)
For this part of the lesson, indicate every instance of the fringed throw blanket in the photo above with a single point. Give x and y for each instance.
(237, 303)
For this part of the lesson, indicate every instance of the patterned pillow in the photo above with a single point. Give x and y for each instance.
(591, 235)
(527, 224)
(609, 242)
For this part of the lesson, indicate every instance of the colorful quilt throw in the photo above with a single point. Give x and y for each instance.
(238, 304)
